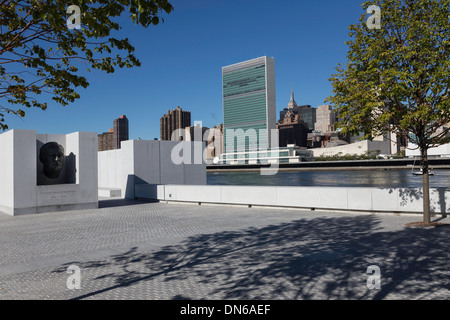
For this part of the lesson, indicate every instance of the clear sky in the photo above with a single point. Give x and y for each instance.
(182, 62)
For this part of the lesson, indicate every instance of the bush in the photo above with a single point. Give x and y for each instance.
(370, 155)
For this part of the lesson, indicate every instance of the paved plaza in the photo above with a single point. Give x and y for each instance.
(157, 251)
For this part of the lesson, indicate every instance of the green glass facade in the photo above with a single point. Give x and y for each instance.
(245, 104)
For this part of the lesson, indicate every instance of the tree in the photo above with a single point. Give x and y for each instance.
(397, 78)
(40, 54)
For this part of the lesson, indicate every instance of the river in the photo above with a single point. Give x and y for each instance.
(398, 178)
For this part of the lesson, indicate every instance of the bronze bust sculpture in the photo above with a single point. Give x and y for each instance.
(51, 155)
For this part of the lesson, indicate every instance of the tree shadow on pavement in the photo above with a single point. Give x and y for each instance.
(320, 258)
(413, 196)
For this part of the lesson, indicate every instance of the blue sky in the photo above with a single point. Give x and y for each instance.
(182, 61)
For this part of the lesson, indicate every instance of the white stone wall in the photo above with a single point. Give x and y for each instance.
(389, 200)
(7, 172)
(150, 162)
(20, 192)
(441, 151)
(359, 148)
(85, 147)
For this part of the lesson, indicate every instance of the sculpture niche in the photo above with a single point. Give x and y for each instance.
(51, 156)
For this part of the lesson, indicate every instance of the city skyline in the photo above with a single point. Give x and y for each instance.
(182, 60)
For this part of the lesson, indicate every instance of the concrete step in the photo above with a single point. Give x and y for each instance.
(109, 192)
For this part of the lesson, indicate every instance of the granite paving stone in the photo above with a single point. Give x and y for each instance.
(136, 250)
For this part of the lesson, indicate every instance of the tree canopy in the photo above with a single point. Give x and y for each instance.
(397, 78)
(40, 54)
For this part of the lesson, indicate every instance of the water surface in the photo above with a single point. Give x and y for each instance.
(401, 178)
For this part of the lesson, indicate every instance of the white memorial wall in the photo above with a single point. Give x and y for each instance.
(25, 189)
(150, 162)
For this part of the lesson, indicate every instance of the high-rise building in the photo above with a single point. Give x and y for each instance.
(111, 140)
(292, 104)
(106, 141)
(292, 130)
(325, 119)
(121, 132)
(249, 107)
(173, 120)
(306, 113)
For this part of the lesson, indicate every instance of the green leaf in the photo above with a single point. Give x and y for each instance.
(52, 53)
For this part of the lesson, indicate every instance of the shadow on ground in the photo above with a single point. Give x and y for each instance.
(120, 202)
(322, 258)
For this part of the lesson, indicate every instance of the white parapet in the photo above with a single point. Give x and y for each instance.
(440, 151)
(389, 200)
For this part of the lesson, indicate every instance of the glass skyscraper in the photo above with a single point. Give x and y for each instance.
(249, 109)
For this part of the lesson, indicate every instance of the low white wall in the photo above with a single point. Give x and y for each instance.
(395, 200)
(150, 162)
(359, 148)
(442, 150)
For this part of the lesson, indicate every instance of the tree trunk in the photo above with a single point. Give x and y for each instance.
(426, 186)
